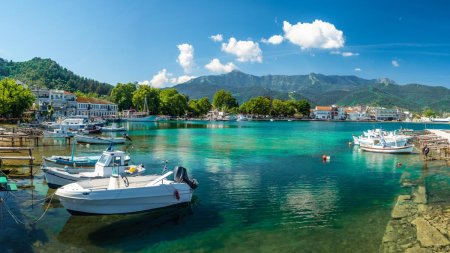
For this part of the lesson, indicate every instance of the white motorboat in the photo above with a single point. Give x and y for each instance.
(390, 150)
(62, 132)
(120, 194)
(241, 117)
(100, 140)
(109, 160)
(381, 147)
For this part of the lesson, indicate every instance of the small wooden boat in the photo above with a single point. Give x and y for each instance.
(407, 149)
(76, 161)
(91, 129)
(59, 133)
(113, 129)
(100, 140)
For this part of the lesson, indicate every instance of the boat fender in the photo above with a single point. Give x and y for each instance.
(177, 194)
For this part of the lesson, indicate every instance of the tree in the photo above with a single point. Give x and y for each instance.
(428, 113)
(153, 100)
(199, 107)
(224, 100)
(257, 106)
(173, 103)
(303, 107)
(122, 95)
(50, 111)
(14, 98)
(282, 108)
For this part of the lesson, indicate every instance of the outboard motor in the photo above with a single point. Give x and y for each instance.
(180, 175)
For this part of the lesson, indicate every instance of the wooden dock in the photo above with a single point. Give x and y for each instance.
(438, 142)
(17, 154)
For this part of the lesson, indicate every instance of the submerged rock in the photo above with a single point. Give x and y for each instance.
(401, 207)
(428, 235)
(420, 196)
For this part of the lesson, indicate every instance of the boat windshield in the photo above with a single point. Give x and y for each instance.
(103, 159)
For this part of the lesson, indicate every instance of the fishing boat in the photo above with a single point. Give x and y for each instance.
(109, 160)
(75, 162)
(380, 146)
(241, 117)
(101, 140)
(62, 132)
(119, 194)
(91, 129)
(113, 128)
(389, 149)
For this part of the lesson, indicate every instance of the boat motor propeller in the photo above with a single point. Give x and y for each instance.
(180, 175)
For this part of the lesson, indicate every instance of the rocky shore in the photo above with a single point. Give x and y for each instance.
(417, 226)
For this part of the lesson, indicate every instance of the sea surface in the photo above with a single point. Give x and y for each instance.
(263, 187)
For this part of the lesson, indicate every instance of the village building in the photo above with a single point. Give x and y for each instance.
(93, 107)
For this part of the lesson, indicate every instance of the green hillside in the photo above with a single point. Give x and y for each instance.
(48, 73)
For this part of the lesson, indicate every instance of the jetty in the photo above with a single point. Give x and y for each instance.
(438, 143)
(17, 154)
(20, 136)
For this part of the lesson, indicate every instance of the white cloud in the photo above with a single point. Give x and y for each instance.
(395, 63)
(217, 38)
(216, 66)
(358, 69)
(161, 80)
(186, 57)
(245, 50)
(145, 82)
(345, 54)
(165, 79)
(274, 40)
(318, 34)
(183, 79)
(348, 54)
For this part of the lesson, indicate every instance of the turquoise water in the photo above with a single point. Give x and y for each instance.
(263, 188)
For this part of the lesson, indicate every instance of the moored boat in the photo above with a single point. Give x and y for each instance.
(59, 133)
(113, 129)
(381, 147)
(120, 194)
(99, 140)
(76, 161)
(109, 160)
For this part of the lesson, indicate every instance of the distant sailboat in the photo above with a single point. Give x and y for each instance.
(143, 116)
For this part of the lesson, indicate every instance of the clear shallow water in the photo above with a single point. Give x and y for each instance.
(263, 188)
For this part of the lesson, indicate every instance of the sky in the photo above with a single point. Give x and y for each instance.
(162, 43)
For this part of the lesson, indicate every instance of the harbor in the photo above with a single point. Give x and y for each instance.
(345, 203)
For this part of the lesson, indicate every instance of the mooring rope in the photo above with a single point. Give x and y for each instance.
(17, 219)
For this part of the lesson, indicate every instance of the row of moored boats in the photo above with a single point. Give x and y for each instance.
(381, 141)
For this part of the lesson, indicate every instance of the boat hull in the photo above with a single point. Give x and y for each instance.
(151, 118)
(389, 150)
(78, 161)
(124, 200)
(99, 140)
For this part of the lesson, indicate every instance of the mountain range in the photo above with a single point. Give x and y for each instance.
(317, 88)
(321, 90)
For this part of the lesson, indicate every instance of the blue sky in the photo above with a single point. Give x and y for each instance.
(165, 42)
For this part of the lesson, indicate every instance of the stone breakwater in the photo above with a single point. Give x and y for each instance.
(417, 227)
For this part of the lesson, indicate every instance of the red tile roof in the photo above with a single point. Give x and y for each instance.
(323, 108)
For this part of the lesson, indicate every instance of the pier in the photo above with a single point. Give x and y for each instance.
(20, 136)
(17, 154)
(438, 142)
